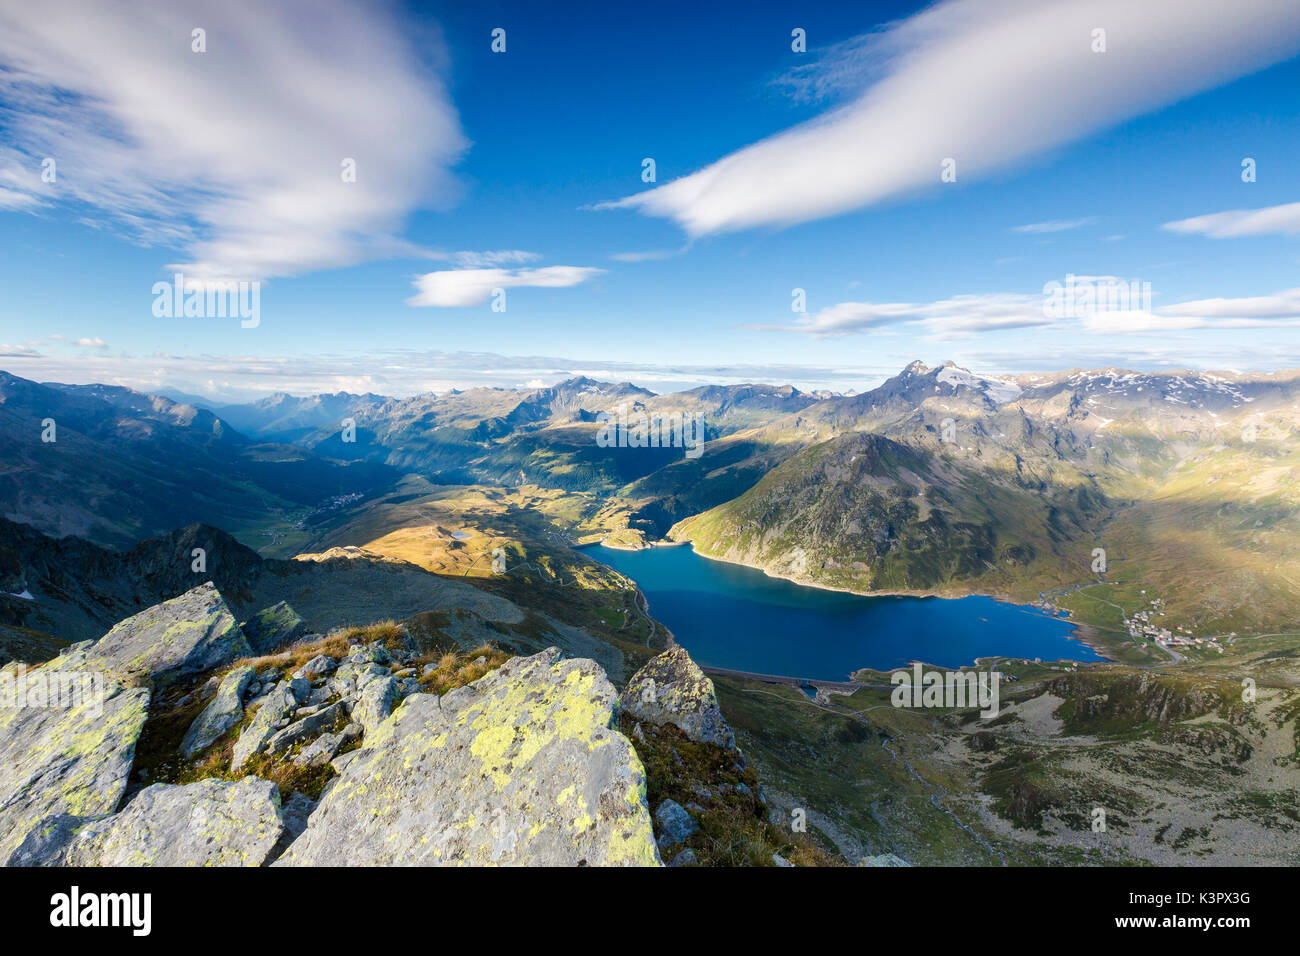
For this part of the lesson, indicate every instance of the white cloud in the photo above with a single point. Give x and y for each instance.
(17, 351)
(493, 258)
(1053, 225)
(648, 256)
(987, 83)
(963, 316)
(956, 317)
(19, 187)
(95, 343)
(841, 69)
(1280, 310)
(464, 287)
(1235, 223)
(233, 155)
(1279, 305)
(1132, 322)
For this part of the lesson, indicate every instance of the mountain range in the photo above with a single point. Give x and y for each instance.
(939, 480)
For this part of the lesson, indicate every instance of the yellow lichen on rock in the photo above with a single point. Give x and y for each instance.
(523, 767)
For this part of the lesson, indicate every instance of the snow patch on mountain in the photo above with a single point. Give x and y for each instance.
(998, 390)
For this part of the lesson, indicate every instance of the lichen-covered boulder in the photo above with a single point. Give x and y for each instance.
(318, 666)
(273, 627)
(276, 709)
(209, 823)
(521, 767)
(368, 654)
(377, 700)
(352, 676)
(320, 751)
(224, 711)
(189, 634)
(304, 729)
(671, 689)
(67, 741)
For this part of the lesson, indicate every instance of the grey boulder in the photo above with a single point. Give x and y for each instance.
(189, 634)
(209, 823)
(309, 726)
(273, 627)
(674, 823)
(320, 751)
(377, 700)
(224, 711)
(318, 666)
(671, 689)
(69, 754)
(276, 707)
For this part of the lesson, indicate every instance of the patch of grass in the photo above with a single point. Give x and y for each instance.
(157, 752)
(173, 709)
(453, 669)
(389, 634)
(158, 758)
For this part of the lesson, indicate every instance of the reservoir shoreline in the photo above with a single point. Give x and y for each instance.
(746, 620)
(1087, 634)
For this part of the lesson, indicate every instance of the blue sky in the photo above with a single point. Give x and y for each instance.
(776, 170)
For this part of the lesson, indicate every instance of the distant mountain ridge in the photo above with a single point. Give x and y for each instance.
(1187, 477)
(115, 466)
(504, 436)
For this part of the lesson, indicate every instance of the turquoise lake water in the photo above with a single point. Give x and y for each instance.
(739, 618)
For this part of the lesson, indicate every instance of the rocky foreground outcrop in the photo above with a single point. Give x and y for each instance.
(225, 711)
(522, 766)
(72, 759)
(272, 627)
(357, 748)
(68, 730)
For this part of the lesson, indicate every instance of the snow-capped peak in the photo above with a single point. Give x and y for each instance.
(998, 390)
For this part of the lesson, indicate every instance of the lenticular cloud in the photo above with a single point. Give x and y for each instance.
(983, 84)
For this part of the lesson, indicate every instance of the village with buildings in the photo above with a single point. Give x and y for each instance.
(1143, 626)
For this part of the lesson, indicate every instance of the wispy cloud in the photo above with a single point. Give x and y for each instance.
(842, 69)
(1053, 225)
(491, 258)
(963, 316)
(1279, 305)
(464, 287)
(956, 317)
(648, 256)
(234, 155)
(1235, 223)
(1279, 310)
(985, 83)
